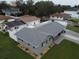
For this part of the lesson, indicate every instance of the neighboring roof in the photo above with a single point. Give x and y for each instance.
(72, 9)
(10, 9)
(27, 18)
(59, 14)
(51, 28)
(2, 17)
(36, 36)
(31, 36)
(14, 23)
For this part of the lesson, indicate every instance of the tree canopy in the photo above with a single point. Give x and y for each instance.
(41, 8)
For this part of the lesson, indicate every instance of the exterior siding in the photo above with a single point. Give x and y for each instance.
(38, 50)
(60, 18)
(12, 31)
(33, 23)
(56, 18)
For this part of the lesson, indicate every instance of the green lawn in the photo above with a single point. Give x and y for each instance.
(9, 50)
(73, 28)
(74, 20)
(66, 50)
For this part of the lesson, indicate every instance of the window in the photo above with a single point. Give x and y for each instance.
(20, 39)
(33, 47)
(50, 39)
(59, 34)
(46, 41)
(34, 23)
(63, 31)
(16, 27)
(42, 45)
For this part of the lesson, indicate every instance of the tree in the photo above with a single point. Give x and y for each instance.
(3, 5)
(29, 2)
(43, 8)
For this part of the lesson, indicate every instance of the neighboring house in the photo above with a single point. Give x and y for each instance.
(11, 11)
(73, 14)
(13, 27)
(3, 19)
(36, 40)
(30, 20)
(13, 3)
(59, 16)
(77, 11)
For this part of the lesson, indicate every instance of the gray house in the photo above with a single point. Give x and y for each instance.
(11, 11)
(60, 16)
(37, 40)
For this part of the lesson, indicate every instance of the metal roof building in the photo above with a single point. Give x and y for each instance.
(51, 28)
(36, 36)
(31, 36)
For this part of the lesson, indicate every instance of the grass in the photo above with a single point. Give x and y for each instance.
(74, 20)
(73, 28)
(9, 49)
(66, 50)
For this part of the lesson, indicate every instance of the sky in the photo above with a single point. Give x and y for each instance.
(62, 2)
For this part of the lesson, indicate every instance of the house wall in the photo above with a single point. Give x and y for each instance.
(10, 20)
(2, 25)
(56, 18)
(73, 14)
(1, 21)
(12, 31)
(67, 17)
(33, 23)
(39, 49)
(7, 13)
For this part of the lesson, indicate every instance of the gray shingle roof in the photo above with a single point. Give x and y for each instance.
(14, 23)
(37, 35)
(34, 38)
(51, 28)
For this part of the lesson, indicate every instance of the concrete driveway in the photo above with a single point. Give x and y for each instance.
(72, 36)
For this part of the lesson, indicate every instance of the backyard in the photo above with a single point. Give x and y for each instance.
(9, 50)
